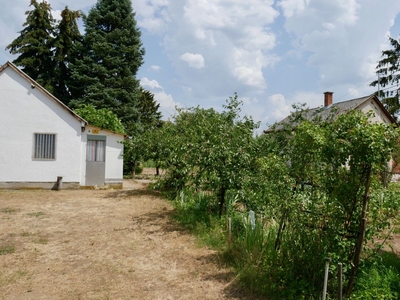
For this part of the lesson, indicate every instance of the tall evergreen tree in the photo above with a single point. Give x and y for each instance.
(150, 116)
(103, 73)
(67, 35)
(34, 44)
(388, 70)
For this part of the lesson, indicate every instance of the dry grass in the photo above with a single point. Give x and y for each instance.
(103, 244)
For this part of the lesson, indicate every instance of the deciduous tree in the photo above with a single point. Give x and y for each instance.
(103, 118)
(208, 149)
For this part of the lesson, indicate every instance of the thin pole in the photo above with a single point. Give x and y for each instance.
(230, 229)
(340, 283)
(327, 260)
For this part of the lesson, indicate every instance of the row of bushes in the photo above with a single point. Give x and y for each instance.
(312, 190)
(296, 269)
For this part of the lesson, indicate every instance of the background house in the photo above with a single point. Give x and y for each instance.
(43, 140)
(365, 104)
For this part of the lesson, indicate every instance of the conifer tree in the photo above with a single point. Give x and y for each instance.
(388, 70)
(150, 116)
(67, 35)
(107, 60)
(34, 44)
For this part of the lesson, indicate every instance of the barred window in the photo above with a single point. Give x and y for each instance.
(45, 146)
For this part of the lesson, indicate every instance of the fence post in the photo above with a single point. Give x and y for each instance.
(252, 219)
(327, 260)
(340, 278)
(230, 230)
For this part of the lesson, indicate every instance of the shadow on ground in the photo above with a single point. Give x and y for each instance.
(162, 221)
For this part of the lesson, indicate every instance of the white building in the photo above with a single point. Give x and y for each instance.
(45, 144)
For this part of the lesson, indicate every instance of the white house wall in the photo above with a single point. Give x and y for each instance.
(380, 116)
(114, 155)
(25, 111)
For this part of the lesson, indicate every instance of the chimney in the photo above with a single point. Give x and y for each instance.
(328, 98)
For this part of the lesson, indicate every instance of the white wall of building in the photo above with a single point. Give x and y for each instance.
(24, 111)
(380, 116)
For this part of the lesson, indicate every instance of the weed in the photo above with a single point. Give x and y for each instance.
(36, 214)
(9, 210)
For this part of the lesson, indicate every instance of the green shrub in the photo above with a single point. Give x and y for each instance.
(149, 164)
(138, 168)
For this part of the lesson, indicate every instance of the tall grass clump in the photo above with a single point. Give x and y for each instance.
(378, 278)
(197, 211)
(251, 251)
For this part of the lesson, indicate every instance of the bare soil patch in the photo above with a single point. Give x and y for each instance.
(103, 244)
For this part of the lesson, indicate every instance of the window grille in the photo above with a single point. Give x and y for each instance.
(45, 146)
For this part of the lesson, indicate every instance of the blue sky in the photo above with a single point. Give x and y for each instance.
(272, 53)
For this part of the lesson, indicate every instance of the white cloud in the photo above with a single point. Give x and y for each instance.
(292, 7)
(155, 68)
(194, 60)
(343, 38)
(167, 104)
(234, 39)
(282, 107)
(166, 101)
(11, 19)
(310, 99)
(151, 15)
(152, 84)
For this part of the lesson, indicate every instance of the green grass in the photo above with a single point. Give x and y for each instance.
(248, 247)
(9, 210)
(149, 164)
(36, 214)
(8, 249)
(378, 278)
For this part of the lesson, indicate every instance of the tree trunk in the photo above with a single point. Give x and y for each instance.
(280, 230)
(361, 235)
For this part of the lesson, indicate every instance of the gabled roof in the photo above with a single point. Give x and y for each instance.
(42, 89)
(337, 108)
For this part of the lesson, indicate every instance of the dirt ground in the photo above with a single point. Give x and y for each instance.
(103, 244)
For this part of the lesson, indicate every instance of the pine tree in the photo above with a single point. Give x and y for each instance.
(67, 35)
(388, 70)
(150, 116)
(34, 44)
(107, 60)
